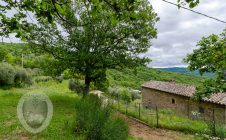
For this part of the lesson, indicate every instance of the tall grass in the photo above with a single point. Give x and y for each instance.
(96, 122)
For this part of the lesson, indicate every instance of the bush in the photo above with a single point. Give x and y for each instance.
(215, 131)
(125, 95)
(75, 86)
(114, 92)
(7, 74)
(22, 78)
(135, 95)
(92, 120)
(59, 79)
(115, 129)
(67, 74)
(43, 79)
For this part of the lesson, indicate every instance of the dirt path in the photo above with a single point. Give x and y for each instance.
(143, 132)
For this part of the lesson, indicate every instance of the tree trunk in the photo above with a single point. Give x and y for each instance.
(87, 85)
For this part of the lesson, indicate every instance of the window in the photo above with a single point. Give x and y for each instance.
(173, 101)
(201, 110)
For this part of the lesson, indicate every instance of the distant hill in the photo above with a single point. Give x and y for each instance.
(183, 70)
(134, 79)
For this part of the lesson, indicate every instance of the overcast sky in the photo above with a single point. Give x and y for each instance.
(179, 30)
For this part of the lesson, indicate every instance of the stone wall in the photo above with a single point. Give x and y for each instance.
(183, 105)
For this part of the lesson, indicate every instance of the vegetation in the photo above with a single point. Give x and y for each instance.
(134, 79)
(63, 124)
(96, 122)
(210, 57)
(14, 76)
(168, 119)
(98, 42)
(7, 74)
(97, 38)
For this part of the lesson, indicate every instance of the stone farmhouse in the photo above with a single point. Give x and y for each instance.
(170, 95)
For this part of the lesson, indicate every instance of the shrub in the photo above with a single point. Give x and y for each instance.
(75, 86)
(125, 95)
(135, 96)
(92, 120)
(114, 92)
(43, 79)
(22, 78)
(67, 74)
(7, 74)
(115, 129)
(3, 53)
(59, 79)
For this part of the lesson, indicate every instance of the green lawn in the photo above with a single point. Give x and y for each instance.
(61, 126)
(63, 115)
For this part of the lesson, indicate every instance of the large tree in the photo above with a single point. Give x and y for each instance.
(88, 37)
(210, 57)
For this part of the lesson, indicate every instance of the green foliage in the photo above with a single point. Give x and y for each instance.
(22, 78)
(93, 120)
(114, 92)
(208, 88)
(115, 129)
(192, 3)
(106, 40)
(10, 75)
(125, 95)
(7, 73)
(3, 54)
(215, 131)
(101, 83)
(59, 78)
(48, 65)
(76, 86)
(43, 79)
(210, 57)
(13, 53)
(67, 74)
(135, 96)
(127, 78)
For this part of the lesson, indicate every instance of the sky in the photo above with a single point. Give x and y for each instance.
(179, 30)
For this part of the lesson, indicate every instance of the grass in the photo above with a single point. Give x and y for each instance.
(63, 102)
(167, 119)
(62, 124)
(63, 120)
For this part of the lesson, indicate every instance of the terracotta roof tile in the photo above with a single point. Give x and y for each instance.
(171, 87)
(218, 98)
(183, 90)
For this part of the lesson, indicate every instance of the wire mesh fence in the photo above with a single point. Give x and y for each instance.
(155, 116)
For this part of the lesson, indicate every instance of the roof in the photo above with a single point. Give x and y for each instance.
(183, 90)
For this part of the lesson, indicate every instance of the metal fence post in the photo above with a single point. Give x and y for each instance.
(214, 125)
(157, 117)
(139, 110)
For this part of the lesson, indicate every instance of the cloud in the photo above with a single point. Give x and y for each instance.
(179, 30)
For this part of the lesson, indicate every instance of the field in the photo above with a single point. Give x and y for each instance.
(61, 126)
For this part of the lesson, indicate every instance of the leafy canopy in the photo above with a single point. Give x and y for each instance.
(192, 3)
(210, 57)
(84, 36)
